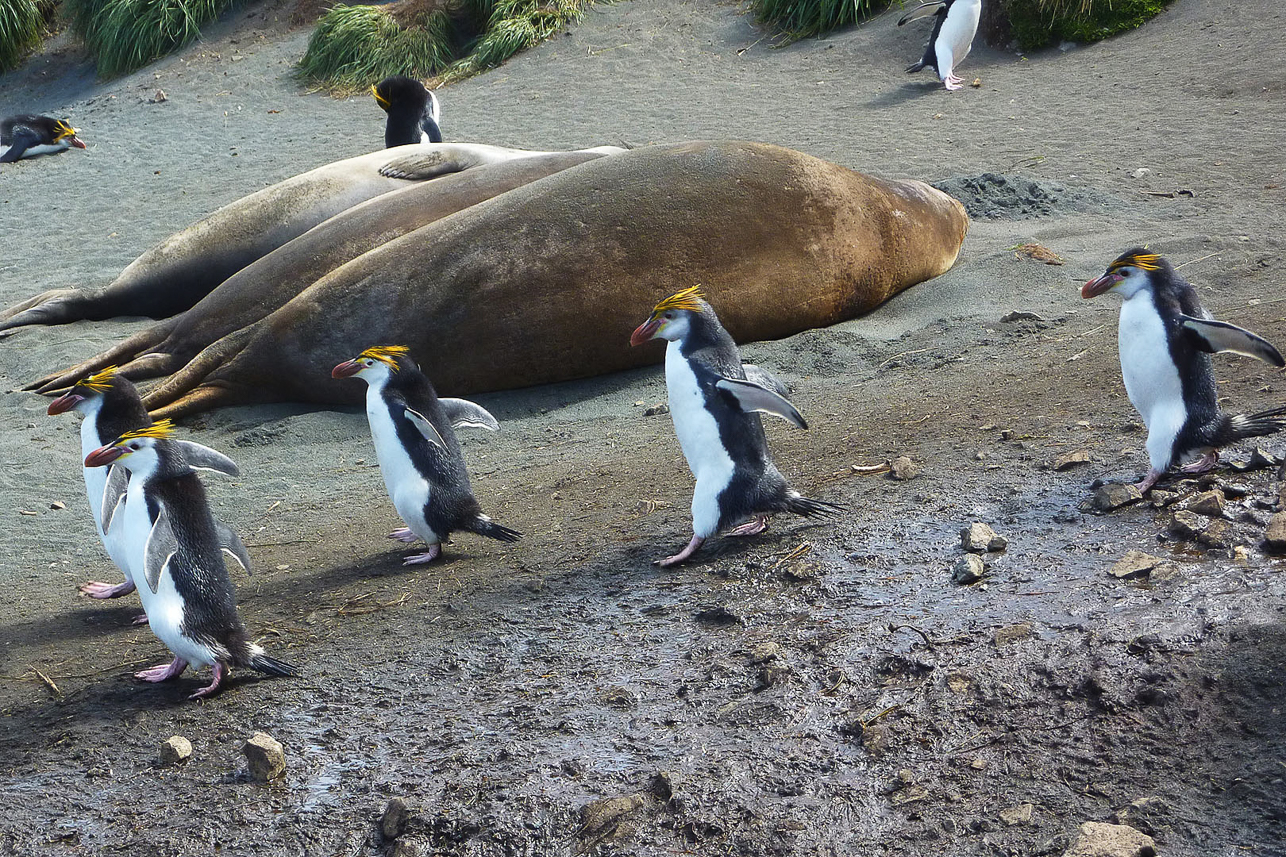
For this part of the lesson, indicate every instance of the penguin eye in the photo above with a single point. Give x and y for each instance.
(670, 315)
(1125, 273)
(136, 446)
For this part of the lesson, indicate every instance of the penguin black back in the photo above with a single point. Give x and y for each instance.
(412, 111)
(23, 134)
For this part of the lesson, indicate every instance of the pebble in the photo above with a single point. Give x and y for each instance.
(601, 819)
(1140, 173)
(903, 468)
(1140, 812)
(764, 652)
(1208, 503)
(174, 750)
(405, 848)
(621, 697)
(58, 505)
(978, 537)
(1114, 495)
(1068, 460)
(1111, 840)
(656, 410)
(1161, 499)
(1134, 564)
(663, 785)
(393, 821)
(876, 739)
(265, 756)
(1187, 525)
(1013, 633)
(1275, 535)
(1020, 814)
(968, 569)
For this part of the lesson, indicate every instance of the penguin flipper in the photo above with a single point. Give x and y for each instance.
(204, 458)
(23, 139)
(922, 11)
(752, 397)
(425, 428)
(113, 494)
(764, 378)
(466, 414)
(1219, 336)
(231, 544)
(161, 545)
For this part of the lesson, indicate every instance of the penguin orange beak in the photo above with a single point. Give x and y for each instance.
(1097, 286)
(645, 331)
(76, 142)
(103, 456)
(347, 369)
(64, 403)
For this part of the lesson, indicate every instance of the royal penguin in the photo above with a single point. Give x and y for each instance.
(176, 556)
(419, 456)
(412, 108)
(1165, 339)
(715, 404)
(29, 136)
(955, 23)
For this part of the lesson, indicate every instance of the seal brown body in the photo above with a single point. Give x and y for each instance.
(545, 283)
(182, 269)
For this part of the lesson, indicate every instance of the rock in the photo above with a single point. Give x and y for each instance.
(1216, 533)
(405, 848)
(1068, 460)
(1110, 840)
(608, 818)
(903, 468)
(1020, 814)
(1114, 495)
(621, 697)
(1161, 499)
(1140, 173)
(764, 652)
(1235, 489)
(174, 750)
(58, 505)
(662, 785)
(876, 739)
(1259, 459)
(1142, 814)
(1187, 525)
(1208, 503)
(656, 410)
(1013, 633)
(978, 763)
(265, 756)
(968, 569)
(393, 821)
(1275, 535)
(978, 537)
(1134, 564)
(1019, 314)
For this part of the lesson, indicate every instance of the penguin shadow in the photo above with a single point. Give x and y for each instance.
(71, 625)
(908, 91)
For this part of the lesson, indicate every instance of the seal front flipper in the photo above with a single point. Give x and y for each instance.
(752, 397)
(466, 414)
(1219, 336)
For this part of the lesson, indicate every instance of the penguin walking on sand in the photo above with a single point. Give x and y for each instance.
(1165, 339)
(419, 456)
(955, 24)
(412, 108)
(715, 404)
(176, 556)
(111, 406)
(29, 136)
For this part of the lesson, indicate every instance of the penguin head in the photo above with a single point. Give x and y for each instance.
(64, 133)
(87, 396)
(375, 365)
(672, 318)
(1130, 273)
(398, 89)
(140, 451)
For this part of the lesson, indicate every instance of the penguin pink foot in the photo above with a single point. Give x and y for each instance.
(1204, 464)
(403, 534)
(220, 671)
(140, 619)
(429, 555)
(95, 589)
(953, 83)
(682, 555)
(753, 527)
(163, 672)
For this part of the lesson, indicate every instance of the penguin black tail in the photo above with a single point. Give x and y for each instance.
(271, 666)
(484, 526)
(914, 67)
(1243, 426)
(801, 505)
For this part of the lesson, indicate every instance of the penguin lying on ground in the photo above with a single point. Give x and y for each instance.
(29, 136)
(955, 23)
(176, 557)
(418, 452)
(111, 406)
(1165, 340)
(715, 404)
(412, 110)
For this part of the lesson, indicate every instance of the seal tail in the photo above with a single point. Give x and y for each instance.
(1242, 426)
(484, 526)
(801, 505)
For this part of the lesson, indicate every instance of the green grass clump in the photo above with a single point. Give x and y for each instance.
(1037, 23)
(125, 35)
(356, 46)
(799, 19)
(22, 25)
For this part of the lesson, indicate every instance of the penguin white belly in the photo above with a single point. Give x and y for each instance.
(165, 616)
(698, 434)
(407, 488)
(1151, 378)
(42, 149)
(95, 477)
(956, 35)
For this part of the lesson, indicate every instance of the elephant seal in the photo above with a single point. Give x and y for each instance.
(268, 282)
(182, 269)
(545, 283)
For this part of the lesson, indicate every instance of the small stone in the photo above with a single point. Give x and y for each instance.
(265, 756)
(1186, 525)
(621, 697)
(58, 505)
(1110, 840)
(978, 537)
(876, 739)
(405, 848)
(1020, 814)
(1261, 458)
(764, 652)
(977, 83)
(656, 410)
(393, 821)
(1141, 814)
(1275, 535)
(174, 750)
(1216, 533)
(607, 818)
(1140, 173)
(1013, 633)
(662, 785)
(1114, 495)
(1161, 499)
(159, 97)
(1166, 572)
(978, 763)
(1208, 503)
(1020, 314)
(1134, 564)
(1068, 460)
(1241, 555)
(968, 569)
(903, 468)
(1235, 489)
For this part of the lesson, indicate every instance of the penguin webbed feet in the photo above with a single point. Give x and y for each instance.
(163, 672)
(220, 671)
(1204, 464)
(681, 556)
(403, 534)
(428, 556)
(98, 589)
(753, 527)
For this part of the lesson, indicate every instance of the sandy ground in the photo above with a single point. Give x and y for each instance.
(820, 689)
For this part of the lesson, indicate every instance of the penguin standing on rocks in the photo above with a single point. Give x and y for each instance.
(955, 24)
(715, 407)
(1165, 340)
(418, 453)
(29, 136)
(412, 108)
(176, 555)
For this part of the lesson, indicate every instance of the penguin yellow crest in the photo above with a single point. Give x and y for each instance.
(1143, 261)
(386, 354)
(64, 131)
(686, 299)
(99, 382)
(159, 429)
(380, 99)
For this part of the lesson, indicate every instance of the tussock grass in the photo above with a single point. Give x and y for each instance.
(22, 25)
(125, 35)
(355, 46)
(1037, 23)
(799, 19)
